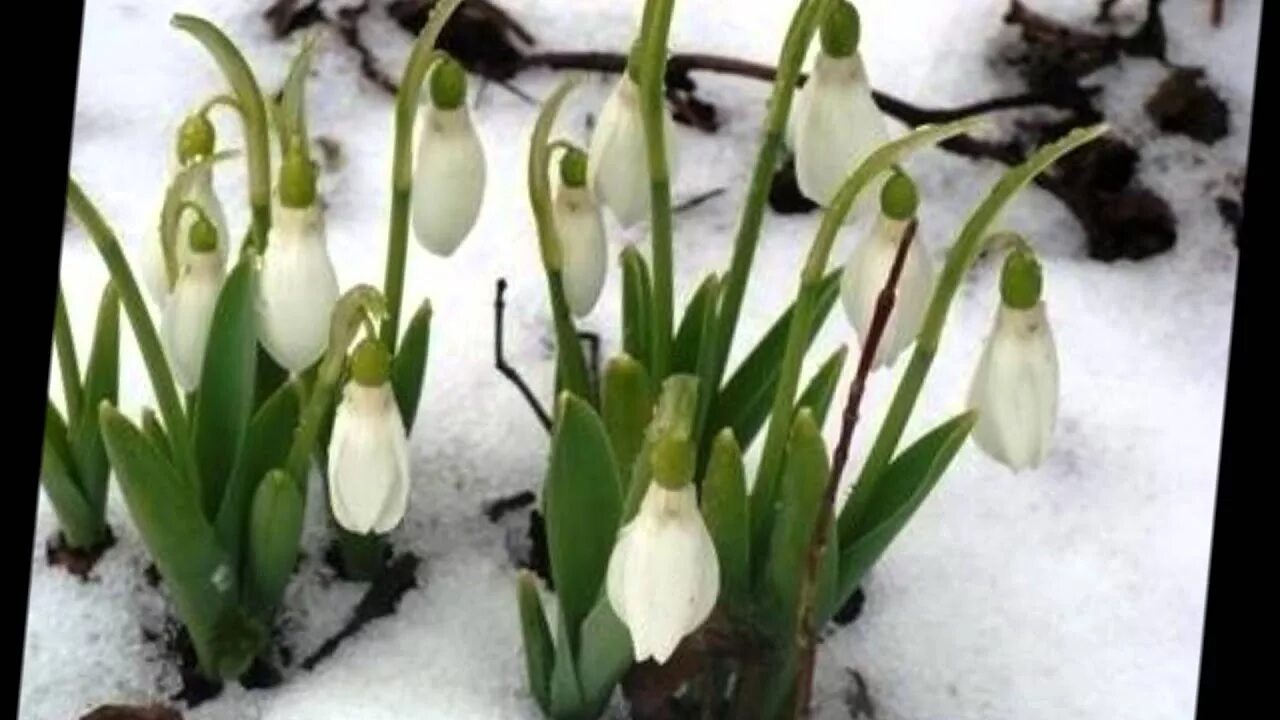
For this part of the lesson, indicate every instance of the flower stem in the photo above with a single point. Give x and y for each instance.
(959, 260)
(144, 330)
(65, 345)
(804, 24)
(253, 111)
(421, 58)
(363, 557)
(656, 28)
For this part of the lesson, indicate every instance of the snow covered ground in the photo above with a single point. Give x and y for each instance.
(1076, 591)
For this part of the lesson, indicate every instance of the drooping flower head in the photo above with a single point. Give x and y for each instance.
(580, 227)
(1015, 387)
(449, 176)
(664, 575)
(368, 449)
(871, 263)
(297, 285)
(188, 310)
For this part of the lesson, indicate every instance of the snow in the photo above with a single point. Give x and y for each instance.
(1073, 591)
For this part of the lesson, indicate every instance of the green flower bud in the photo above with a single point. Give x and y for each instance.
(196, 138)
(898, 197)
(841, 30)
(573, 168)
(370, 363)
(1021, 280)
(448, 84)
(297, 178)
(203, 236)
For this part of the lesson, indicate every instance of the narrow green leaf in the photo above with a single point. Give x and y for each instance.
(102, 381)
(409, 366)
(226, 384)
(291, 114)
(627, 406)
(637, 299)
(582, 501)
(266, 446)
(58, 476)
(566, 693)
(821, 389)
(275, 526)
(804, 480)
(65, 347)
(906, 483)
(606, 656)
(155, 432)
(744, 402)
(724, 507)
(689, 336)
(539, 649)
(198, 574)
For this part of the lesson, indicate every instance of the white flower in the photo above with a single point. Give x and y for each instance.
(368, 460)
(864, 277)
(1015, 388)
(448, 179)
(202, 194)
(834, 125)
(188, 315)
(617, 158)
(664, 576)
(297, 289)
(582, 247)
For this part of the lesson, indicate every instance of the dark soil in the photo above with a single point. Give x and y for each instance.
(74, 560)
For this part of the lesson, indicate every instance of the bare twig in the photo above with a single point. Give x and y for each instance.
(500, 360)
(806, 637)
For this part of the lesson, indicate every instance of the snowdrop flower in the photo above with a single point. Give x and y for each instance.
(368, 451)
(578, 222)
(1015, 388)
(188, 310)
(834, 123)
(449, 176)
(869, 266)
(618, 160)
(297, 286)
(196, 140)
(664, 576)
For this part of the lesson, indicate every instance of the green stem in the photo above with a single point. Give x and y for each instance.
(253, 111)
(144, 329)
(960, 259)
(885, 157)
(363, 556)
(656, 29)
(224, 100)
(70, 369)
(804, 23)
(421, 57)
(318, 398)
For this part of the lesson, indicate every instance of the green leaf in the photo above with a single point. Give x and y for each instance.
(822, 386)
(582, 501)
(275, 527)
(58, 476)
(291, 115)
(724, 507)
(627, 405)
(906, 483)
(804, 480)
(828, 597)
(171, 210)
(744, 402)
(268, 377)
(606, 656)
(266, 446)
(566, 694)
(226, 384)
(155, 432)
(409, 366)
(688, 341)
(637, 300)
(539, 649)
(102, 381)
(198, 574)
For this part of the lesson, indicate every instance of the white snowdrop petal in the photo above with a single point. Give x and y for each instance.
(865, 274)
(617, 159)
(397, 501)
(583, 248)
(154, 274)
(449, 180)
(185, 323)
(368, 461)
(1015, 389)
(297, 289)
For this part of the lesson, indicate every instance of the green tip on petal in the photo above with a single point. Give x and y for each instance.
(1021, 280)
(898, 197)
(203, 236)
(297, 178)
(196, 139)
(841, 30)
(672, 459)
(448, 84)
(573, 168)
(370, 364)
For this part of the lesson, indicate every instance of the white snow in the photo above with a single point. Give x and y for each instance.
(1073, 591)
